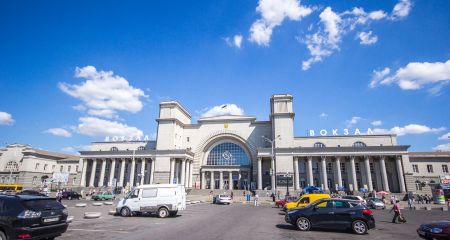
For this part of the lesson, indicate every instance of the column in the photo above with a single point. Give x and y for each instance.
(324, 173)
(353, 172)
(296, 174)
(272, 165)
(220, 180)
(133, 169)
(203, 180)
(230, 180)
(183, 172)
(122, 173)
(368, 173)
(191, 170)
(111, 172)
(83, 174)
(401, 179)
(143, 167)
(172, 170)
(101, 181)
(384, 174)
(338, 170)
(259, 174)
(152, 170)
(94, 166)
(309, 172)
(212, 182)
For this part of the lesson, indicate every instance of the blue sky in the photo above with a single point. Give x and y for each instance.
(72, 71)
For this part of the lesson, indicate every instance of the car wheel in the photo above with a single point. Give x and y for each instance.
(2, 236)
(69, 197)
(359, 227)
(125, 212)
(303, 224)
(103, 199)
(163, 213)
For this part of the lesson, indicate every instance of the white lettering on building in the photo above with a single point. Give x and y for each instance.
(345, 131)
(126, 138)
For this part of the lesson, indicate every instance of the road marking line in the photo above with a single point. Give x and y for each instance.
(95, 230)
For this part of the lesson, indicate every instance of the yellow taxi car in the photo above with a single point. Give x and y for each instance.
(305, 200)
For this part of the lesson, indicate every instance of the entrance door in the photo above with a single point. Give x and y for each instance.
(217, 183)
(226, 184)
(235, 184)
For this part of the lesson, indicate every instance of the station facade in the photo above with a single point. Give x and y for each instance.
(239, 152)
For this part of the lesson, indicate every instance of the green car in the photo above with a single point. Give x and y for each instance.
(104, 196)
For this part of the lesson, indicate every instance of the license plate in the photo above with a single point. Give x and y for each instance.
(54, 219)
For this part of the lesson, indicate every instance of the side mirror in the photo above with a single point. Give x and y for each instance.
(133, 196)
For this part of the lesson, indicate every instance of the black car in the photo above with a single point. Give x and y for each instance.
(435, 230)
(71, 195)
(35, 217)
(339, 214)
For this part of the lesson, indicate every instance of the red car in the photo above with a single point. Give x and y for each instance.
(435, 230)
(281, 202)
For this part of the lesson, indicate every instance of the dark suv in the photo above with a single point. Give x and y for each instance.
(35, 217)
(332, 214)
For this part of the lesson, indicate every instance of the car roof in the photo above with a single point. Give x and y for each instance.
(24, 197)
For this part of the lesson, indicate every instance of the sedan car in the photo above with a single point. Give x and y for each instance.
(34, 217)
(339, 214)
(435, 230)
(281, 202)
(222, 199)
(104, 196)
(375, 203)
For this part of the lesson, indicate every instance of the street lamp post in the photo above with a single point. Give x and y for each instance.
(272, 143)
(287, 176)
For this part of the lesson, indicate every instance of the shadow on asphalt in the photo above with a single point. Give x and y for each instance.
(291, 227)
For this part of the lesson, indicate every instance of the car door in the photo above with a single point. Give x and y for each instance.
(133, 201)
(343, 214)
(322, 214)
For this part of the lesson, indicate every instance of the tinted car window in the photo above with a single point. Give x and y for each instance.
(325, 204)
(341, 204)
(304, 200)
(41, 204)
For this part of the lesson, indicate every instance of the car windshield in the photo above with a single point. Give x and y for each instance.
(42, 204)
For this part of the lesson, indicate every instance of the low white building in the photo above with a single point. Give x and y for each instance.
(235, 152)
(22, 164)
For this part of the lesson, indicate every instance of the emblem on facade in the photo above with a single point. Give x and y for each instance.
(227, 155)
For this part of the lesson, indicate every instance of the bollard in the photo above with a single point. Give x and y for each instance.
(91, 215)
(445, 208)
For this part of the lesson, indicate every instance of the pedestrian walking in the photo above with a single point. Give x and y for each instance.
(396, 209)
(273, 197)
(256, 199)
(232, 194)
(410, 202)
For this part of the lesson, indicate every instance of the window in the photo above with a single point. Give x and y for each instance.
(445, 168)
(61, 168)
(359, 144)
(329, 168)
(316, 182)
(36, 167)
(319, 145)
(342, 167)
(68, 168)
(227, 154)
(415, 168)
(315, 167)
(430, 168)
(53, 167)
(114, 149)
(304, 200)
(148, 193)
(341, 204)
(74, 181)
(45, 167)
(141, 148)
(325, 204)
(187, 139)
(12, 166)
(302, 183)
(77, 168)
(302, 167)
(357, 167)
(371, 167)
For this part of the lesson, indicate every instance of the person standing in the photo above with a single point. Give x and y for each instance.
(410, 202)
(396, 209)
(256, 200)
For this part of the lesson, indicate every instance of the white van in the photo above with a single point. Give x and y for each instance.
(163, 199)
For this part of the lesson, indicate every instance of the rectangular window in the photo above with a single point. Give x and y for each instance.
(76, 168)
(302, 167)
(329, 168)
(187, 139)
(372, 170)
(45, 167)
(445, 168)
(430, 168)
(316, 167)
(415, 168)
(53, 168)
(68, 168)
(148, 193)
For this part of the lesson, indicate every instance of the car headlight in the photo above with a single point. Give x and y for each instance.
(65, 212)
(436, 230)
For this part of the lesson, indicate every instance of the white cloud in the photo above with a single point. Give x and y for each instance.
(333, 26)
(401, 9)
(442, 147)
(273, 13)
(60, 132)
(323, 115)
(366, 38)
(237, 40)
(96, 127)
(409, 129)
(6, 118)
(104, 93)
(445, 136)
(225, 109)
(415, 75)
(376, 123)
(352, 122)
(75, 149)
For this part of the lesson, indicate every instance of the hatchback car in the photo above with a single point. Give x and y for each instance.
(222, 199)
(332, 213)
(35, 217)
(375, 203)
(435, 230)
(104, 196)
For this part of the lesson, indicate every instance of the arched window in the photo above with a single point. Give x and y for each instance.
(114, 149)
(140, 148)
(319, 145)
(12, 166)
(359, 144)
(227, 154)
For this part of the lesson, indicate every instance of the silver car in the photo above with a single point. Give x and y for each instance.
(223, 199)
(375, 203)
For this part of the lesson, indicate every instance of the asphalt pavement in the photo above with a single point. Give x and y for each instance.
(236, 221)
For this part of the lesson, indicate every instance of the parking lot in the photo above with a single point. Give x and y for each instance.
(236, 221)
